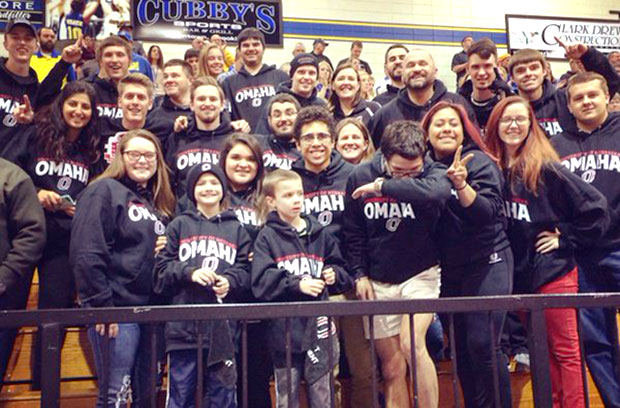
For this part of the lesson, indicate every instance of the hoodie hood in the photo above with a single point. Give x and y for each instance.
(286, 87)
(30, 79)
(265, 68)
(224, 129)
(274, 221)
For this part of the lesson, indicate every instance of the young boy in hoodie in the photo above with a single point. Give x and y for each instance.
(295, 259)
(205, 259)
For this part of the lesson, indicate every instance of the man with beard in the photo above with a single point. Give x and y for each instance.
(614, 60)
(202, 140)
(302, 86)
(459, 61)
(46, 57)
(177, 81)
(279, 148)
(422, 90)
(528, 68)
(394, 57)
(485, 88)
(255, 83)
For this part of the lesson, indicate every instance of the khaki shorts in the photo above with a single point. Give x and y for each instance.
(424, 285)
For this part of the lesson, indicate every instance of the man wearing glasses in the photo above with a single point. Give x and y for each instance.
(392, 253)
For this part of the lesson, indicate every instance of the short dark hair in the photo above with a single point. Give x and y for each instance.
(357, 44)
(177, 62)
(251, 32)
(484, 47)
(311, 114)
(191, 53)
(282, 98)
(40, 30)
(525, 56)
(394, 46)
(405, 138)
(466, 37)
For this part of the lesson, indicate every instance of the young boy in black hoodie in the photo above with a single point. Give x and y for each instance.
(295, 259)
(204, 260)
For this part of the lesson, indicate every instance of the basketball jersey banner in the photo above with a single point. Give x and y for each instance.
(183, 20)
(27, 9)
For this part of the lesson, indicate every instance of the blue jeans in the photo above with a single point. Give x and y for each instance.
(219, 381)
(599, 271)
(122, 357)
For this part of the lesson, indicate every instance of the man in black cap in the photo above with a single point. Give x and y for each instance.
(302, 86)
(318, 47)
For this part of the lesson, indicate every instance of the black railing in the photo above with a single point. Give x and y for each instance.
(52, 322)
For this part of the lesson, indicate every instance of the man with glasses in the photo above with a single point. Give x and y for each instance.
(392, 253)
(323, 171)
(280, 148)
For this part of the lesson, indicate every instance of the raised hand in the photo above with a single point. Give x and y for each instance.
(457, 172)
(24, 114)
(180, 124)
(573, 51)
(73, 53)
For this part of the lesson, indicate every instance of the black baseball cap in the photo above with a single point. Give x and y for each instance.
(19, 22)
(320, 41)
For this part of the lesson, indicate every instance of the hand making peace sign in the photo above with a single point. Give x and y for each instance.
(457, 172)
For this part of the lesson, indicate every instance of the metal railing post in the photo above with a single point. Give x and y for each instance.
(50, 359)
(539, 359)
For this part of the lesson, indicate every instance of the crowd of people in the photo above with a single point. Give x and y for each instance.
(217, 178)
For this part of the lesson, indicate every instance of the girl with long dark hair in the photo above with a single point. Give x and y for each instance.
(58, 153)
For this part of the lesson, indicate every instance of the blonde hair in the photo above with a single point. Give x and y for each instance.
(163, 198)
(203, 67)
(270, 183)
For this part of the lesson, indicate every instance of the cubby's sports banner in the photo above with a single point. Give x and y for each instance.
(28, 9)
(539, 33)
(178, 20)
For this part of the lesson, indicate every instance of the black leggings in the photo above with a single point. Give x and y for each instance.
(489, 276)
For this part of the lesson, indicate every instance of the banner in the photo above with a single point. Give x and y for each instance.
(539, 33)
(184, 20)
(28, 9)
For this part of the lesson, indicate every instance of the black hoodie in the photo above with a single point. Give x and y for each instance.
(194, 241)
(281, 259)
(467, 234)
(160, 120)
(67, 177)
(483, 109)
(245, 210)
(401, 108)
(192, 146)
(324, 193)
(364, 111)
(13, 88)
(595, 157)
(263, 127)
(552, 108)
(247, 94)
(385, 97)
(277, 152)
(390, 240)
(564, 201)
(110, 114)
(112, 251)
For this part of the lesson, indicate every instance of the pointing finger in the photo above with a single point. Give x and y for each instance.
(560, 42)
(27, 103)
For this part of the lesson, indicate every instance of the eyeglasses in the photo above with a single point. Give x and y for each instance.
(134, 156)
(520, 120)
(311, 137)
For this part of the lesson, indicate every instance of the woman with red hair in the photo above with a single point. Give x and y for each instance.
(551, 213)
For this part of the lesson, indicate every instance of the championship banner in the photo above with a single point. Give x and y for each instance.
(539, 33)
(27, 9)
(184, 20)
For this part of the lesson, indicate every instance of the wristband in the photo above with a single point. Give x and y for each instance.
(462, 188)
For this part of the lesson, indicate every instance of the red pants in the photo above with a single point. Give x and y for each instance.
(564, 351)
